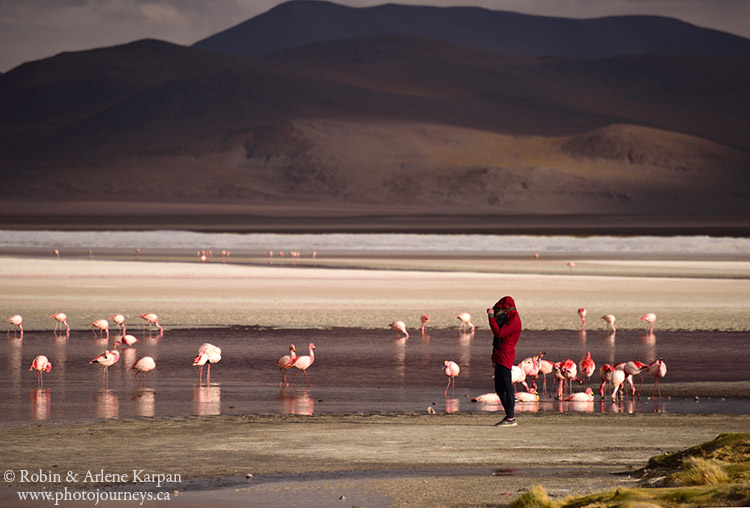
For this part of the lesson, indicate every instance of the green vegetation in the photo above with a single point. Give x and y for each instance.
(716, 473)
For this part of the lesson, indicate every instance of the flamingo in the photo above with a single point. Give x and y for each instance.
(587, 367)
(119, 319)
(284, 362)
(41, 365)
(631, 369)
(487, 398)
(530, 368)
(618, 378)
(657, 369)
(649, 318)
(207, 353)
(610, 319)
(517, 375)
(399, 326)
(582, 314)
(128, 340)
(107, 359)
(525, 397)
(143, 365)
(545, 367)
(302, 363)
(152, 319)
(17, 321)
(451, 370)
(60, 318)
(585, 396)
(425, 319)
(101, 325)
(605, 373)
(465, 319)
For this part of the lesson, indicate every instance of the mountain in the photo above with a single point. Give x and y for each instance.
(300, 23)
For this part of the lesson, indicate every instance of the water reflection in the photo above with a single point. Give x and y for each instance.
(14, 362)
(144, 402)
(297, 403)
(451, 405)
(400, 361)
(41, 402)
(107, 404)
(207, 399)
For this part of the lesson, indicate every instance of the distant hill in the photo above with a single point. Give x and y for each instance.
(299, 23)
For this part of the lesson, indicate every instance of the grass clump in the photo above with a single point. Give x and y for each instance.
(698, 471)
(535, 497)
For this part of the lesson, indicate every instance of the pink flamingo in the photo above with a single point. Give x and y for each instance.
(119, 320)
(657, 369)
(152, 319)
(526, 397)
(451, 370)
(605, 373)
(143, 365)
(582, 314)
(41, 365)
(545, 367)
(487, 398)
(618, 379)
(60, 319)
(284, 362)
(425, 319)
(465, 319)
(587, 367)
(128, 340)
(102, 325)
(207, 353)
(17, 321)
(107, 359)
(610, 319)
(302, 363)
(399, 326)
(585, 396)
(649, 318)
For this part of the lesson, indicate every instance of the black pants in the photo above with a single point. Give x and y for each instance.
(504, 389)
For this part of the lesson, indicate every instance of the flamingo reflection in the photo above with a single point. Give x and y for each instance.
(144, 399)
(41, 400)
(297, 403)
(451, 405)
(207, 399)
(107, 404)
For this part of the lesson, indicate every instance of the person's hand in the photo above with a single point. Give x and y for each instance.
(490, 313)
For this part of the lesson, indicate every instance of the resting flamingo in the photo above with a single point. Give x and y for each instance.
(582, 314)
(610, 319)
(284, 362)
(650, 318)
(657, 369)
(107, 359)
(399, 326)
(525, 397)
(143, 365)
(465, 319)
(587, 367)
(425, 319)
(119, 320)
(487, 398)
(102, 325)
(585, 396)
(207, 353)
(60, 319)
(451, 370)
(17, 321)
(302, 363)
(41, 365)
(152, 319)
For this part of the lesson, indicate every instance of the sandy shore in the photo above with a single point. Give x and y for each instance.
(371, 460)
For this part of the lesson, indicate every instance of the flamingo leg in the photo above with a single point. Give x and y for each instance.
(293, 377)
(208, 375)
(308, 379)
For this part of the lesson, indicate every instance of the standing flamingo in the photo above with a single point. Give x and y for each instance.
(60, 319)
(207, 353)
(582, 314)
(545, 367)
(618, 379)
(631, 369)
(143, 365)
(587, 367)
(128, 340)
(465, 319)
(284, 362)
(119, 320)
(425, 319)
(102, 325)
(17, 321)
(152, 319)
(302, 363)
(649, 318)
(41, 365)
(657, 369)
(605, 373)
(399, 326)
(610, 319)
(107, 359)
(451, 370)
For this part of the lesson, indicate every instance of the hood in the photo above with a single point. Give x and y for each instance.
(506, 302)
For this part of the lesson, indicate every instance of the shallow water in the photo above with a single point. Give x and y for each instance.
(354, 371)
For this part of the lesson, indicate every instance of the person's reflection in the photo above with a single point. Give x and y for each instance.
(41, 401)
(144, 402)
(297, 403)
(107, 404)
(207, 399)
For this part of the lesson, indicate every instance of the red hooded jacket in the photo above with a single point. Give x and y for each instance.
(507, 334)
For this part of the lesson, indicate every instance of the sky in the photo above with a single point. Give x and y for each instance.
(35, 29)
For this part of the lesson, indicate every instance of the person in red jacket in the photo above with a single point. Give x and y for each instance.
(506, 328)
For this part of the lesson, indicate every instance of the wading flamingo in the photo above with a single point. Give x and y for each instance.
(102, 325)
(107, 359)
(143, 365)
(119, 320)
(284, 362)
(465, 319)
(152, 319)
(425, 319)
(605, 373)
(41, 365)
(582, 314)
(128, 340)
(60, 319)
(650, 318)
(207, 353)
(657, 369)
(451, 370)
(588, 367)
(399, 326)
(631, 369)
(302, 363)
(17, 321)
(545, 367)
(618, 379)
(610, 319)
